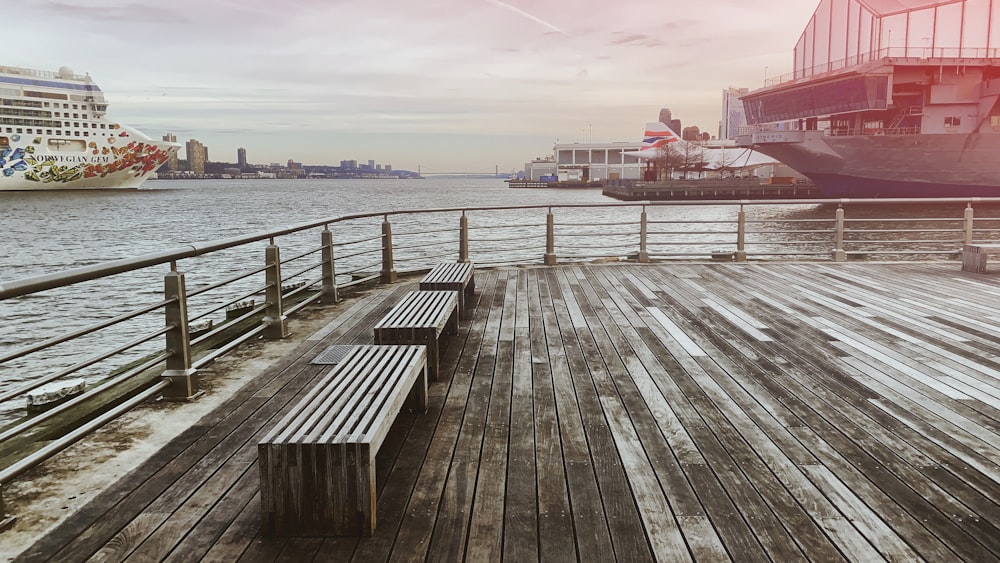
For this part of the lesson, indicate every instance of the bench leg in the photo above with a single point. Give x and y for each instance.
(974, 261)
(417, 400)
(310, 490)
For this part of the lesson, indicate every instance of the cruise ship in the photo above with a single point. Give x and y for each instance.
(55, 135)
(888, 99)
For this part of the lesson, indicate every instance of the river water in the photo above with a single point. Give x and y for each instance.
(46, 232)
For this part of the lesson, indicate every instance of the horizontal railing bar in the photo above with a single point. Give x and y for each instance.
(593, 235)
(48, 281)
(209, 358)
(405, 234)
(85, 363)
(424, 245)
(526, 237)
(217, 285)
(229, 323)
(571, 224)
(358, 241)
(84, 331)
(300, 256)
(522, 226)
(56, 446)
(233, 301)
(360, 281)
(362, 253)
(75, 401)
(376, 266)
(301, 272)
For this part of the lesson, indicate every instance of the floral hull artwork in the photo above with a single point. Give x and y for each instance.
(121, 166)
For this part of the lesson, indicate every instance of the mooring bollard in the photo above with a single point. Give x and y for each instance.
(183, 378)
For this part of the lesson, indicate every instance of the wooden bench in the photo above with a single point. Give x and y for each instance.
(420, 317)
(452, 276)
(974, 256)
(317, 466)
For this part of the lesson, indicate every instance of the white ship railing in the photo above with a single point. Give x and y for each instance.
(135, 348)
(930, 55)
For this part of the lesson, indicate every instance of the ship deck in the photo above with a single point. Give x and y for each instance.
(632, 412)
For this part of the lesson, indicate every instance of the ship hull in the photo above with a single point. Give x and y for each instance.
(122, 161)
(898, 166)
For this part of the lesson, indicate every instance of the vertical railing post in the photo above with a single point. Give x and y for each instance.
(388, 273)
(329, 287)
(838, 251)
(550, 239)
(643, 256)
(183, 378)
(274, 315)
(969, 214)
(463, 239)
(5, 521)
(741, 235)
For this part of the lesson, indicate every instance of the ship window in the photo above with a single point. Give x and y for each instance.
(75, 107)
(952, 121)
(995, 123)
(76, 133)
(48, 131)
(85, 116)
(76, 116)
(46, 104)
(65, 106)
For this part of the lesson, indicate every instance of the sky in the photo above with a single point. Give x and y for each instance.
(440, 85)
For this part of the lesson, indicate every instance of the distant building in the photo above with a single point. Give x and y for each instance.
(197, 156)
(349, 164)
(667, 118)
(174, 162)
(241, 158)
(595, 161)
(371, 165)
(692, 133)
(733, 114)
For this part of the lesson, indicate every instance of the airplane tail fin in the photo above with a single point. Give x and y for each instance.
(655, 137)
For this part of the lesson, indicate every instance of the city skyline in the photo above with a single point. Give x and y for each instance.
(484, 84)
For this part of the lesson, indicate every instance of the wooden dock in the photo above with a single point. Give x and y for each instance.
(753, 412)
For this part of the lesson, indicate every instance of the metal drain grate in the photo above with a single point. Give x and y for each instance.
(332, 355)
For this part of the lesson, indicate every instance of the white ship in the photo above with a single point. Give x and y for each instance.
(55, 135)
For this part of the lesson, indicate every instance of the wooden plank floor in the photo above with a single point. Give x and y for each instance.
(770, 412)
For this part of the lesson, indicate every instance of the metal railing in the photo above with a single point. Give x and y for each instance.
(150, 349)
